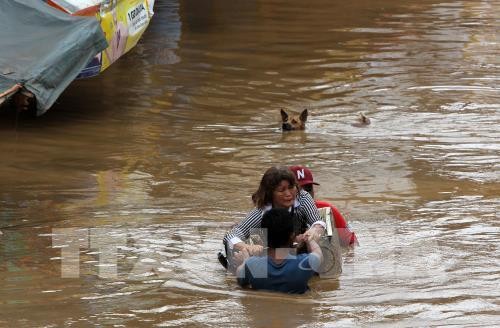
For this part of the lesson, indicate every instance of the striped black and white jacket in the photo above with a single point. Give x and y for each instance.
(304, 210)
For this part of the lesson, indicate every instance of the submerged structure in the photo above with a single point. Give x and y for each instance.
(47, 44)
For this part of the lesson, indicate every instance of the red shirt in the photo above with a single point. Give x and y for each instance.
(346, 236)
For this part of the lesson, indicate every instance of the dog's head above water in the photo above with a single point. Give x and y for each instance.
(363, 121)
(293, 121)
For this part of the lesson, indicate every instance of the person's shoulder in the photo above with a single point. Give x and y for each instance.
(302, 255)
(256, 260)
(304, 196)
(309, 261)
(303, 264)
(339, 218)
(251, 259)
(322, 203)
(255, 212)
(299, 258)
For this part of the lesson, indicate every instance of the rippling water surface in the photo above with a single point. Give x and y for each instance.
(133, 177)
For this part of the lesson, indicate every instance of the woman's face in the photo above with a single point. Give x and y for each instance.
(284, 195)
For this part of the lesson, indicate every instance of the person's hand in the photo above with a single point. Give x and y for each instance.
(314, 233)
(251, 249)
(254, 250)
(300, 239)
(240, 257)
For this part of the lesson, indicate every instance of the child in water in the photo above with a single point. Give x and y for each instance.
(280, 269)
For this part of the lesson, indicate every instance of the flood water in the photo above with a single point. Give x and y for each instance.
(114, 203)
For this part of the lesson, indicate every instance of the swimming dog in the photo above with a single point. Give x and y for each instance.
(293, 121)
(362, 121)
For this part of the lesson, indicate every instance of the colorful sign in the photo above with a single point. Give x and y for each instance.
(123, 23)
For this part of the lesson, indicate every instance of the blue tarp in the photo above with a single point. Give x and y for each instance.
(44, 48)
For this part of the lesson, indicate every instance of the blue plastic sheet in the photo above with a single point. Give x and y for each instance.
(44, 48)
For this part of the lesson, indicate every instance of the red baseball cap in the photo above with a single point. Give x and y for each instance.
(303, 174)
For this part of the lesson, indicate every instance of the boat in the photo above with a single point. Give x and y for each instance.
(47, 44)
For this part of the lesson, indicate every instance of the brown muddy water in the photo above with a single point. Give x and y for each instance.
(114, 203)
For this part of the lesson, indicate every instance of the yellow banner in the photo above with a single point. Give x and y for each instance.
(123, 23)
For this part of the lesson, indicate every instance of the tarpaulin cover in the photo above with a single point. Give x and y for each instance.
(44, 48)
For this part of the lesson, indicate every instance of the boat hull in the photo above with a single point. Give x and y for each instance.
(81, 38)
(122, 21)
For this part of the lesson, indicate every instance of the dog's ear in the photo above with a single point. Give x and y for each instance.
(364, 119)
(284, 115)
(303, 115)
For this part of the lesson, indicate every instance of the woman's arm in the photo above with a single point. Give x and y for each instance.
(239, 259)
(315, 250)
(240, 232)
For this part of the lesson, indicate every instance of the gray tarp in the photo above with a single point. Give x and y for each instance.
(44, 48)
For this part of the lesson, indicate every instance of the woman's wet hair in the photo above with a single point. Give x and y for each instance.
(280, 227)
(270, 181)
